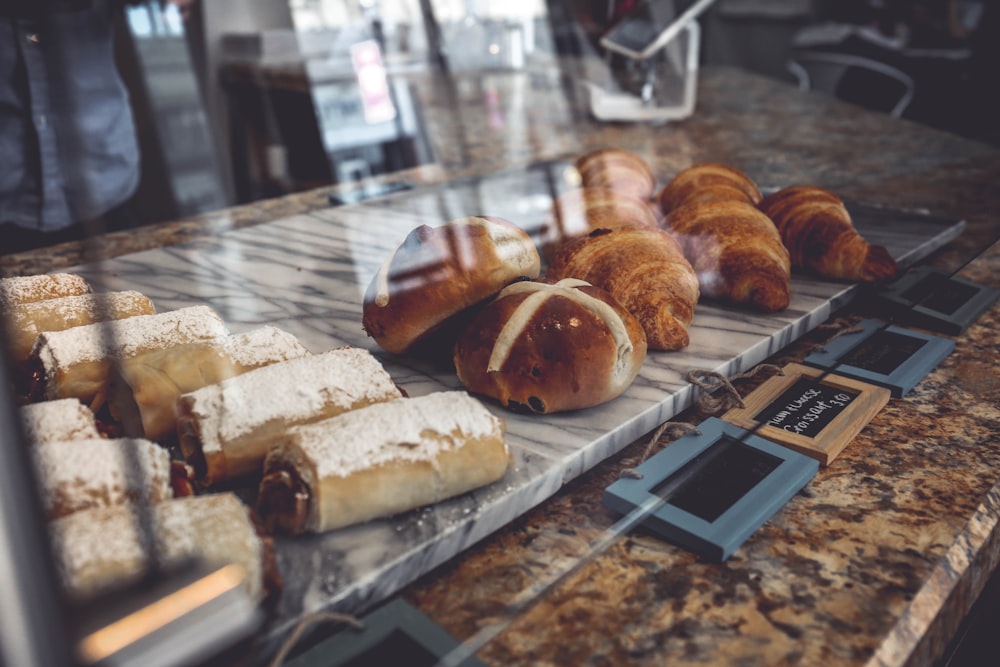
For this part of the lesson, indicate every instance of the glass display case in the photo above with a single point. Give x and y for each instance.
(320, 493)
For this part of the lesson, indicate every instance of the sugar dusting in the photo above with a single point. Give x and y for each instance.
(99, 306)
(128, 337)
(406, 429)
(264, 345)
(28, 289)
(97, 548)
(81, 474)
(61, 419)
(291, 391)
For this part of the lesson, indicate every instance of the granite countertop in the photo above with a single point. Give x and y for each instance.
(876, 562)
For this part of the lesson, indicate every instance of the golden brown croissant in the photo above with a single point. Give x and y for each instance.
(577, 212)
(617, 169)
(645, 270)
(735, 251)
(820, 236)
(707, 182)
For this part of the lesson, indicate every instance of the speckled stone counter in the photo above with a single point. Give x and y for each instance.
(876, 561)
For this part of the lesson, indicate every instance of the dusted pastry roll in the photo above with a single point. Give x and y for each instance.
(27, 289)
(79, 475)
(143, 389)
(379, 461)
(226, 429)
(101, 549)
(75, 363)
(26, 321)
(62, 419)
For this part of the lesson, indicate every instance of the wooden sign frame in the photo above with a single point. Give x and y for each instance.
(906, 374)
(898, 296)
(733, 522)
(844, 426)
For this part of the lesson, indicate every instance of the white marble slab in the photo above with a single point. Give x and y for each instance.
(306, 274)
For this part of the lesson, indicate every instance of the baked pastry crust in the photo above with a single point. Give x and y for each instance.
(25, 321)
(735, 251)
(58, 420)
(17, 290)
(379, 461)
(100, 550)
(548, 347)
(578, 212)
(645, 270)
(708, 181)
(226, 429)
(439, 272)
(76, 363)
(83, 474)
(821, 238)
(143, 390)
(618, 169)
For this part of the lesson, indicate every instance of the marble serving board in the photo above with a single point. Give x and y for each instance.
(307, 274)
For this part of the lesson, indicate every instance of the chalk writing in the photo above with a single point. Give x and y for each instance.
(807, 407)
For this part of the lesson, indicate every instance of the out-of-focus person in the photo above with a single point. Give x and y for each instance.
(67, 136)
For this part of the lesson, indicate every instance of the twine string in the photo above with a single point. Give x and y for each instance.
(856, 328)
(307, 621)
(710, 381)
(676, 430)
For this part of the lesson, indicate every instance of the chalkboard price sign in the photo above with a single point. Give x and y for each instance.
(940, 293)
(709, 491)
(932, 299)
(883, 354)
(807, 407)
(712, 482)
(812, 412)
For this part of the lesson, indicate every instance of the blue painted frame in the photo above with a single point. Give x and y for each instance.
(949, 323)
(718, 539)
(900, 381)
(393, 618)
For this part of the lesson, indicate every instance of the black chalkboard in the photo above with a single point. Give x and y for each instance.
(398, 648)
(940, 293)
(716, 479)
(394, 634)
(883, 352)
(806, 407)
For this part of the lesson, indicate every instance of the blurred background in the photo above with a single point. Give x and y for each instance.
(248, 99)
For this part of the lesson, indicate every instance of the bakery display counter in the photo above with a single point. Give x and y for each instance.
(307, 275)
(875, 561)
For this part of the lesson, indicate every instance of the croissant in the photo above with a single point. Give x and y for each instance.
(617, 169)
(578, 212)
(736, 253)
(817, 230)
(707, 182)
(645, 270)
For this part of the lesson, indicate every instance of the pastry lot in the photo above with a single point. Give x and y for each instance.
(175, 377)
(171, 410)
